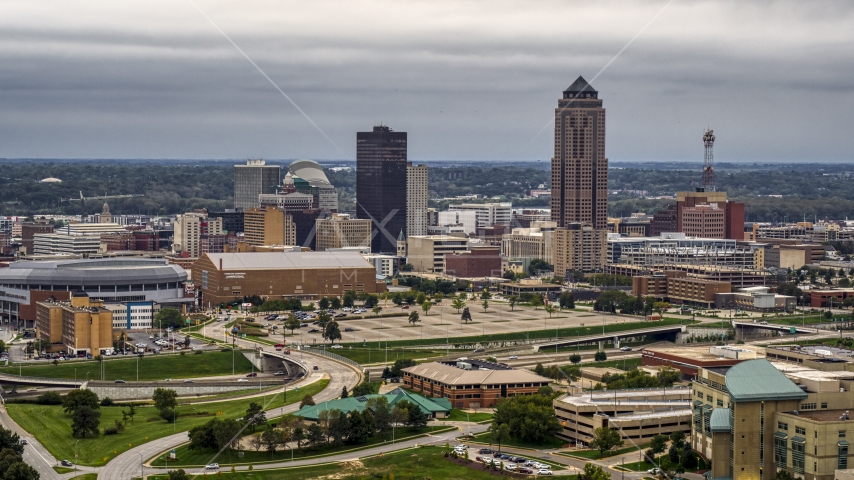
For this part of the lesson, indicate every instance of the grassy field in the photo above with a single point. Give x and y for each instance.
(52, 427)
(381, 355)
(63, 469)
(554, 442)
(411, 464)
(461, 416)
(534, 334)
(187, 457)
(622, 364)
(151, 367)
(86, 476)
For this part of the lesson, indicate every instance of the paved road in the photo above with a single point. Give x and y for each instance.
(129, 464)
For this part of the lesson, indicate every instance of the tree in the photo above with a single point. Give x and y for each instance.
(85, 420)
(323, 303)
(420, 298)
(165, 399)
(13, 467)
(335, 303)
(80, 398)
(594, 472)
(509, 275)
(426, 306)
(187, 341)
(415, 417)
(49, 398)
(538, 264)
(485, 305)
(323, 318)
(315, 435)
(457, 304)
(344, 393)
(332, 332)
(382, 414)
(529, 419)
(365, 388)
(500, 433)
(413, 317)
(513, 300)
(399, 364)
(377, 309)
(168, 317)
(271, 438)
(549, 309)
(306, 400)
(255, 415)
(536, 302)
(130, 412)
(349, 300)
(466, 317)
(485, 295)
(667, 376)
(605, 439)
(179, 474)
(600, 356)
(292, 323)
(575, 358)
(658, 444)
(10, 440)
(566, 300)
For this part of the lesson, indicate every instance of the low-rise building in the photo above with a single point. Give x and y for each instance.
(689, 360)
(823, 298)
(756, 299)
(534, 242)
(695, 291)
(432, 407)
(478, 262)
(341, 231)
(133, 315)
(531, 286)
(637, 414)
(471, 383)
(426, 253)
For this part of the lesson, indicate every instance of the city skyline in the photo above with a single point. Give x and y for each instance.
(117, 81)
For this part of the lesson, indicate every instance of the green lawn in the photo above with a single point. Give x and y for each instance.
(410, 464)
(52, 427)
(187, 457)
(553, 442)
(86, 476)
(461, 416)
(63, 469)
(622, 363)
(365, 356)
(533, 334)
(151, 367)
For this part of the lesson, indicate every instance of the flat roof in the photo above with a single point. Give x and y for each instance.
(288, 260)
(700, 353)
(822, 415)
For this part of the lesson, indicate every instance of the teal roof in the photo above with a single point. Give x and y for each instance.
(428, 405)
(757, 380)
(719, 421)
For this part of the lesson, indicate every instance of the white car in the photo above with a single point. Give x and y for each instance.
(510, 467)
(653, 471)
(242, 380)
(336, 347)
(544, 471)
(212, 466)
(513, 357)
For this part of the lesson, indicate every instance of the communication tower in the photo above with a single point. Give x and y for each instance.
(708, 162)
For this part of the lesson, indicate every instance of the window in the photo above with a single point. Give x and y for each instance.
(808, 406)
(780, 451)
(842, 461)
(800, 430)
(783, 426)
(823, 404)
(842, 434)
(720, 403)
(798, 456)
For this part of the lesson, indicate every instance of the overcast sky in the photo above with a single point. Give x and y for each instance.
(469, 80)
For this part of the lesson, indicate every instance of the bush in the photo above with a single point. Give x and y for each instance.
(107, 402)
(198, 352)
(226, 349)
(49, 398)
(110, 431)
(168, 414)
(182, 353)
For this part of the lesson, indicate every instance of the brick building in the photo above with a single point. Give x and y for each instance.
(471, 383)
(479, 261)
(222, 277)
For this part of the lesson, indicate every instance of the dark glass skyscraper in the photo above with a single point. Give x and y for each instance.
(381, 185)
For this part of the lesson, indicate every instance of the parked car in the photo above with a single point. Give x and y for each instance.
(625, 349)
(337, 347)
(405, 307)
(526, 470)
(510, 467)
(348, 329)
(315, 368)
(544, 471)
(314, 330)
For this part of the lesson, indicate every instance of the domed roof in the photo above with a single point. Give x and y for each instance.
(310, 171)
(288, 180)
(50, 180)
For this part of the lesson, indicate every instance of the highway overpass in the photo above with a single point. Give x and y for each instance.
(774, 326)
(615, 336)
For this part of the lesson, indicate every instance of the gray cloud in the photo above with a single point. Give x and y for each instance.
(467, 80)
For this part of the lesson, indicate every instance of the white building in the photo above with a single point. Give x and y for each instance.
(386, 265)
(54, 243)
(416, 199)
(467, 219)
(488, 214)
(133, 315)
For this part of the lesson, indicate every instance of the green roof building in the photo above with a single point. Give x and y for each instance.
(432, 407)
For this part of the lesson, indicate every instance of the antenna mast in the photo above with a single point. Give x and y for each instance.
(708, 162)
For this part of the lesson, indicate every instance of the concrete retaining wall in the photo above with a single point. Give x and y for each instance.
(144, 390)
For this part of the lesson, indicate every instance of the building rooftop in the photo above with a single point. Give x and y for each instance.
(703, 353)
(719, 420)
(453, 375)
(359, 403)
(288, 259)
(756, 380)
